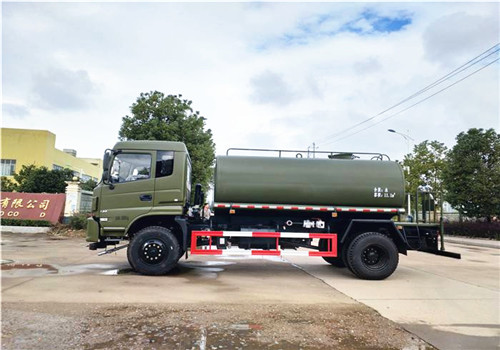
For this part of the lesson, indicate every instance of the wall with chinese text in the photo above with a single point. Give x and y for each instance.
(32, 206)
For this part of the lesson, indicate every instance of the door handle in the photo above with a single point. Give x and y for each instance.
(146, 197)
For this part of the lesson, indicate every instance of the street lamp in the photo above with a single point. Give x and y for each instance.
(407, 138)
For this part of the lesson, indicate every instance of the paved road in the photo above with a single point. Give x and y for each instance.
(57, 294)
(452, 304)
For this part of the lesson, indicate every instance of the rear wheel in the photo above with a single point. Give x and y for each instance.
(335, 261)
(153, 251)
(372, 256)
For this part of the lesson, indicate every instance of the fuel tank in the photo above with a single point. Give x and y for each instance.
(337, 182)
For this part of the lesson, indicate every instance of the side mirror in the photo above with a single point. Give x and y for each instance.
(106, 160)
(105, 179)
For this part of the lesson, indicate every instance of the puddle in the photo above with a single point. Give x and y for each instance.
(194, 263)
(86, 268)
(203, 269)
(238, 336)
(27, 270)
(9, 269)
(115, 272)
(194, 269)
(245, 327)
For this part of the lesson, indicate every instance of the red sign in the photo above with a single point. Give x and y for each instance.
(32, 206)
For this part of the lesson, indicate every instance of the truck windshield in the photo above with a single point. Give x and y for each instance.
(131, 167)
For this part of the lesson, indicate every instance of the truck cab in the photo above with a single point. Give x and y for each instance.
(144, 183)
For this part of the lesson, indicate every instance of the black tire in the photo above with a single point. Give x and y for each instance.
(153, 251)
(129, 258)
(372, 256)
(343, 253)
(335, 261)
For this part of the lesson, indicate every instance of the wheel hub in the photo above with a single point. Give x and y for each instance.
(371, 256)
(153, 252)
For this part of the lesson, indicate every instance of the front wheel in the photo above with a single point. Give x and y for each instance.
(372, 256)
(153, 251)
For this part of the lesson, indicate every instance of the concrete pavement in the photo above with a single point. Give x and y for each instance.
(56, 294)
(475, 242)
(452, 304)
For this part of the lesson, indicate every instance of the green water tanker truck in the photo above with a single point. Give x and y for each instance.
(340, 207)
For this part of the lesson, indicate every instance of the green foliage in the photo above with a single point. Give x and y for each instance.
(490, 230)
(88, 185)
(426, 165)
(8, 185)
(170, 118)
(78, 222)
(35, 179)
(472, 174)
(22, 222)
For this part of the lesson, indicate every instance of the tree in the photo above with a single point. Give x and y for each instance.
(472, 174)
(35, 179)
(426, 165)
(170, 118)
(8, 185)
(88, 185)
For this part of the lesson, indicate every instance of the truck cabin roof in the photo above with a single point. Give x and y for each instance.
(151, 145)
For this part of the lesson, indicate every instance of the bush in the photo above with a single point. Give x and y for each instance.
(490, 230)
(8, 185)
(21, 222)
(78, 222)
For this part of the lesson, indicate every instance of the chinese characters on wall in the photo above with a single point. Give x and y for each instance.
(32, 206)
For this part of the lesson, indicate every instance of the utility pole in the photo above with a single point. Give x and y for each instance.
(407, 138)
(314, 148)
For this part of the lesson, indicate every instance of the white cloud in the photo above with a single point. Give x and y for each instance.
(452, 37)
(15, 110)
(233, 61)
(62, 89)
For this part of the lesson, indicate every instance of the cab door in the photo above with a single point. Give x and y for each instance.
(130, 192)
(169, 185)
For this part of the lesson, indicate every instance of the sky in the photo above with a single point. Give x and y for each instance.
(264, 75)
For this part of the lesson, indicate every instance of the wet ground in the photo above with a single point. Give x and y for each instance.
(452, 304)
(193, 326)
(56, 294)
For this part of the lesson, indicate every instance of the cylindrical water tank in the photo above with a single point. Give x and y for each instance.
(333, 182)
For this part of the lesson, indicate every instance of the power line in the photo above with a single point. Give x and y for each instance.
(413, 105)
(451, 74)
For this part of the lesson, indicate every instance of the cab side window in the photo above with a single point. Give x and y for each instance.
(164, 163)
(131, 167)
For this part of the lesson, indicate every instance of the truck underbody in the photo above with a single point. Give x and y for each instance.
(365, 240)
